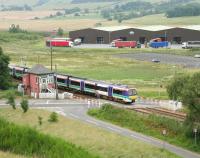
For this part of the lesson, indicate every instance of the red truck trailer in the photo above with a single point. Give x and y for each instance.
(58, 43)
(122, 44)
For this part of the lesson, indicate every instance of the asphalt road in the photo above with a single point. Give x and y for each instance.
(78, 110)
(164, 58)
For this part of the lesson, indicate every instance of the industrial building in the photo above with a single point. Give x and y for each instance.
(105, 35)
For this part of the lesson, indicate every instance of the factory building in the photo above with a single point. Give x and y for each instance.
(105, 35)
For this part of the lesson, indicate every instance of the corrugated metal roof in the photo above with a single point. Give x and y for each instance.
(113, 28)
(39, 70)
(155, 28)
(192, 27)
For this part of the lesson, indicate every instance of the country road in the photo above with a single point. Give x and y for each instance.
(78, 110)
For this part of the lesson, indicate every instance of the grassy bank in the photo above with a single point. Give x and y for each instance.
(150, 125)
(93, 139)
(10, 155)
(27, 141)
(98, 64)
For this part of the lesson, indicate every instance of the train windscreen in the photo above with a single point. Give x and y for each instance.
(132, 92)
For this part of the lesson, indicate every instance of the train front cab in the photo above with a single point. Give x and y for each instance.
(125, 95)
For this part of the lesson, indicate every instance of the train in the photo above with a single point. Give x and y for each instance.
(100, 89)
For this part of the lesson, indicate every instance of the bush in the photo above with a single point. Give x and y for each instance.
(11, 100)
(53, 117)
(27, 141)
(24, 105)
(40, 120)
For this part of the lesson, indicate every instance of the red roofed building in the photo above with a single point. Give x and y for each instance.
(38, 80)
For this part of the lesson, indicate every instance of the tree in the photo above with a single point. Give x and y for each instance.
(187, 90)
(60, 32)
(24, 105)
(40, 120)
(53, 117)
(4, 71)
(11, 100)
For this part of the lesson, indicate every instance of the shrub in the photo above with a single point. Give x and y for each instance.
(40, 120)
(11, 100)
(53, 117)
(24, 105)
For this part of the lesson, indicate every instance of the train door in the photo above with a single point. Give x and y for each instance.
(110, 91)
(82, 85)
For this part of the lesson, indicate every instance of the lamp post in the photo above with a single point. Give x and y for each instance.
(51, 51)
(56, 83)
(195, 135)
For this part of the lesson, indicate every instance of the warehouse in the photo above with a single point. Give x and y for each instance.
(105, 35)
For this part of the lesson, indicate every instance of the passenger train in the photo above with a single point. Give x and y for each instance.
(120, 93)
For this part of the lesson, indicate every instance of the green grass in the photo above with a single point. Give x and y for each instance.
(163, 20)
(93, 139)
(27, 141)
(150, 125)
(100, 64)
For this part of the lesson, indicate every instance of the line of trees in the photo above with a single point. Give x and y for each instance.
(186, 10)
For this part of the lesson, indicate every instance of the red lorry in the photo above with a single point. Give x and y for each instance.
(122, 44)
(59, 42)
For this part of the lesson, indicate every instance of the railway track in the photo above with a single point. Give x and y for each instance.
(163, 112)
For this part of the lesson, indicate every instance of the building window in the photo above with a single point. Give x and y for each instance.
(177, 40)
(100, 40)
(36, 80)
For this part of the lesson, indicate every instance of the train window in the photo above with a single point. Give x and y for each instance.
(89, 86)
(60, 80)
(75, 83)
(116, 91)
(102, 88)
(18, 71)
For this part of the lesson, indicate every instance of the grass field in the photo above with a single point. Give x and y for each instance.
(94, 140)
(149, 125)
(100, 64)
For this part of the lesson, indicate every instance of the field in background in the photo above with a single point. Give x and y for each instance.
(70, 22)
(95, 140)
(100, 64)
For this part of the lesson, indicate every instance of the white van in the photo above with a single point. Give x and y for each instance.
(191, 44)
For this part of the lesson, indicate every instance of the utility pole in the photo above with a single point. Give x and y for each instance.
(51, 50)
(56, 84)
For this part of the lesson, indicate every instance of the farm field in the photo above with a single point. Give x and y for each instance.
(99, 64)
(69, 22)
(95, 140)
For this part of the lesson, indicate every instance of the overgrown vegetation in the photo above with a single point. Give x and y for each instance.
(150, 125)
(4, 71)
(24, 105)
(53, 117)
(187, 89)
(27, 141)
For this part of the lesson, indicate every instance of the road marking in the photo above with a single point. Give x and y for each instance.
(93, 122)
(74, 116)
(113, 129)
(47, 101)
(140, 138)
